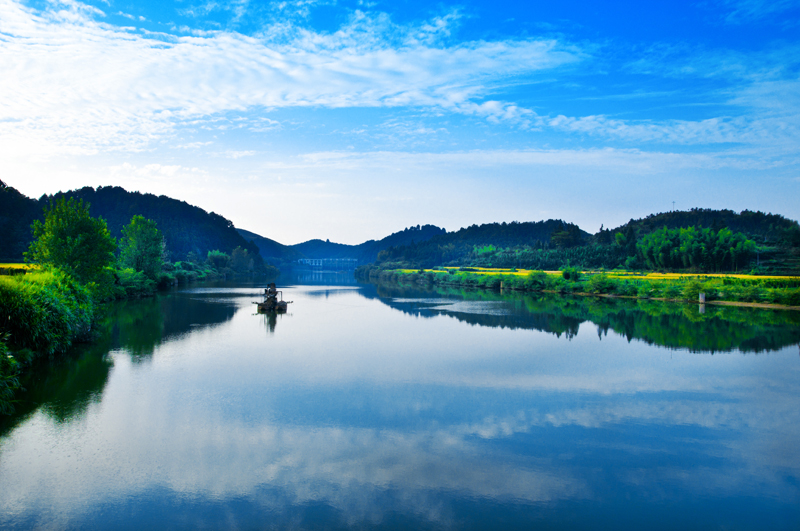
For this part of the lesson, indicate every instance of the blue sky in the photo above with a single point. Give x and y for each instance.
(350, 120)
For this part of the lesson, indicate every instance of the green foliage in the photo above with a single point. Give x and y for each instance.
(692, 290)
(757, 226)
(696, 249)
(218, 260)
(573, 274)
(136, 283)
(142, 247)
(44, 312)
(73, 241)
(600, 284)
(240, 261)
(536, 281)
(568, 235)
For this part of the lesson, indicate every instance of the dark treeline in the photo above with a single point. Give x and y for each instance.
(469, 243)
(764, 228)
(683, 242)
(186, 228)
(17, 214)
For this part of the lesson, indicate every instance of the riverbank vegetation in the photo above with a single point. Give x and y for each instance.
(660, 286)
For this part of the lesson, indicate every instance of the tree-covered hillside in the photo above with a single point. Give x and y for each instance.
(17, 213)
(186, 228)
(467, 244)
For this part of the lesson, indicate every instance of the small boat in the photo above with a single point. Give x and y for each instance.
(272, 302)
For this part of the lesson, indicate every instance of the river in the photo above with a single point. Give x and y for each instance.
(388, 407)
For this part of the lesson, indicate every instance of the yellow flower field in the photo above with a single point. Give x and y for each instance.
(611, 274)
(18, 266)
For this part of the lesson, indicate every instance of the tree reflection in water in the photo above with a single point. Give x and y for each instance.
(711, 329)
(64, 388)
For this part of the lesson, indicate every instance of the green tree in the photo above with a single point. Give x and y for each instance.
(565, 236)
(72, 240)
(218, 260)
(142, 247)
(241, 262)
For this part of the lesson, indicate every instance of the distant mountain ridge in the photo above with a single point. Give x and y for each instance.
(363, 252)
(270, 249)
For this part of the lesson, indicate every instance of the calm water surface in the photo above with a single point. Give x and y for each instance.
(385, 407)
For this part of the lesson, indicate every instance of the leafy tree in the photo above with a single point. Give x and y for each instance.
(568, 235)
(217, 259)
(142, 247)
(696, 249)
(72, 240)
(241, 262)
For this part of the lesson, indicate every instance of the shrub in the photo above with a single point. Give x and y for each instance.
(165, 280)
(536, 281)
(692, 289)
(671, 291)
(135, 283)
(573, 274)
(600, 284)
(792, 297)
(645, 290)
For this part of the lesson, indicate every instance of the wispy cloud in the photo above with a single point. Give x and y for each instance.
(742, 11)
(74, 82)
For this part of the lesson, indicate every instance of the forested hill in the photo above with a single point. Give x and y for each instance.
(368, 251)
(757, 226)
(186, 228)
(454, 246)
(715, 240)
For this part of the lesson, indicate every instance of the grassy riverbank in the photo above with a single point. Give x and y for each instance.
(784, 291)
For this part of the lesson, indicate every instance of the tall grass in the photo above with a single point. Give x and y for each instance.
(44, 312)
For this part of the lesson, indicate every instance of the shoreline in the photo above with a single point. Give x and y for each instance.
(733, 290)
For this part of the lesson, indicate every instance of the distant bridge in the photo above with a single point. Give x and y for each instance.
(333, 264)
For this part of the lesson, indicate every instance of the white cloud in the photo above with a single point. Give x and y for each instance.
(231, 154)
(73, 83)
(623, 161)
